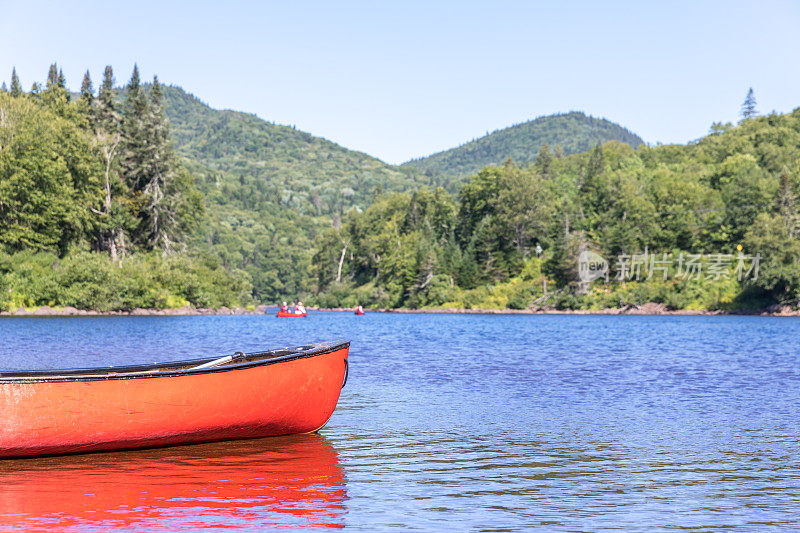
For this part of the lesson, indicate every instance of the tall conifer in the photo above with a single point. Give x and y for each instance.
(134, 135)
(544, 161)
(107, 115)
(52, 77)
(160, 217)
(87, 89)
(16, 87)
(115, 217)
(749, 105)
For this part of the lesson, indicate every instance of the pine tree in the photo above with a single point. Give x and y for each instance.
(160, 218)
(749, 105)
(114, 216)
(87, 90)
(596, 162)
(4, 88)
(135, 164)
(61, 81)
(16, 87)
(166, 197)
(544, 161)
(55, 95)
(591, 185)
(107, 115)
(52, 77)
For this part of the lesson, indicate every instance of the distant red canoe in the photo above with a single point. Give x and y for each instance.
(289, 314)
(359, 312)
(262, 394)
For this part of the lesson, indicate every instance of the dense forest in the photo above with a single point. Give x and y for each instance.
(270, 190)
(143, 196)
(513, 235)
(566, 133)
(95, 208)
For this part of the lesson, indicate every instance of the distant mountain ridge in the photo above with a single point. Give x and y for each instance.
(574, 132)
(271, 190)
(292, 167)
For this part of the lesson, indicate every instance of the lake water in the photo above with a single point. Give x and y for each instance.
(450, 422)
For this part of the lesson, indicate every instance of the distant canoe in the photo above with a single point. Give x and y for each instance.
(262, 394)
(289, 314)
(359, 312)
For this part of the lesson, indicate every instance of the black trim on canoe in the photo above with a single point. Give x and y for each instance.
(177, 368)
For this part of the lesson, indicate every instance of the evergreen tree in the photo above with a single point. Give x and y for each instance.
(87, 90)
(108, 117)
(596, 162)
(4, 88)
(114, 215)
(61, 82)
(160, 218)
(544, 161)
(134, 159)
(749, 105)
(151, 169)
(55, 95)
(52, 77)
(16, 87)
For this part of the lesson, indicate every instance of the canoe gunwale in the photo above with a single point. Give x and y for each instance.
(174, 368)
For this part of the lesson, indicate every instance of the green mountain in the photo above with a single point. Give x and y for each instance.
(270, 190)
(573, 132)
(267, 162)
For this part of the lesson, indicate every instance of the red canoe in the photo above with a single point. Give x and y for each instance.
(262, 394)
(290, 314)
(359, 312)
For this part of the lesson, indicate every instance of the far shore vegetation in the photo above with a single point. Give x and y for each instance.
(144, 197)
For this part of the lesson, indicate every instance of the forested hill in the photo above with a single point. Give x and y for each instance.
(269, 189)
(573, 132)
(275, 163)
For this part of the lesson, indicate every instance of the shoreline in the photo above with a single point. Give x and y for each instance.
(46, 311)
(645, 309)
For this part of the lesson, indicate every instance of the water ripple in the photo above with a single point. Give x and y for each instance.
(453, 422)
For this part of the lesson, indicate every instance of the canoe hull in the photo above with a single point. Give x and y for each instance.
(75, 416)
(289, 314)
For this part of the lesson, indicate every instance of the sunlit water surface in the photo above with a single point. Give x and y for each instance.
(450, 422)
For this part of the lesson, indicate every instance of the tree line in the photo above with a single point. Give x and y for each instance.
(90, 181)
(512, 235)
(94, 172)
(109, 156)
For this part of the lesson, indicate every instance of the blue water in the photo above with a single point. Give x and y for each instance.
(489, 422)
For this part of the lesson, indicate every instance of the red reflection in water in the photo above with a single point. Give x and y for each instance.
(286, 481)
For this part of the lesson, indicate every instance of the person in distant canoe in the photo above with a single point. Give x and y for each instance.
(299, 309)
(360, 310)
(284, 308)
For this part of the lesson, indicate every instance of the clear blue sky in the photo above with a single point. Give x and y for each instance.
(406, 79)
